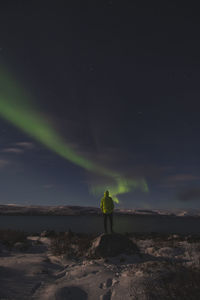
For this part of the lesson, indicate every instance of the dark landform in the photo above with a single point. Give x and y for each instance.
(68, 210)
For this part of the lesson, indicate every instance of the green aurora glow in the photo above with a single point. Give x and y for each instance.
(16, 106)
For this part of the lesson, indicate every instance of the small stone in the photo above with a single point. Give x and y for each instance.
(106, 296)
(101, 285)
(20, 246)
(115, 281)
(47, 233)
(175, 236)
(109, 282)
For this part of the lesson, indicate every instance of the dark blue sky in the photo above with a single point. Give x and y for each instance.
(120, 82)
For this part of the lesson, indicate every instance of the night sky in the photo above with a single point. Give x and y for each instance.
(119, 81)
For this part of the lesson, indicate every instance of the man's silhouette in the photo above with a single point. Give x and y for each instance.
(107, 207)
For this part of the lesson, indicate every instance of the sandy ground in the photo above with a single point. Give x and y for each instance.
(37, 274)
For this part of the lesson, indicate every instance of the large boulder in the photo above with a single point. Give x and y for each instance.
(109, 245)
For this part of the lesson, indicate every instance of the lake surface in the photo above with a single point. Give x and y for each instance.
(94, 224)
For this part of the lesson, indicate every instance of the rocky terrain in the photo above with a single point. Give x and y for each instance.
(107, 266)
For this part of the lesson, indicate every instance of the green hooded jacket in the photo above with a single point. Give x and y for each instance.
(107, 204)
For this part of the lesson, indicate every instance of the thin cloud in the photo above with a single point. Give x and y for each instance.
(176, 180)
(13, 150)
(21, 148)
(183, 177)
(189, 194)
(26, 145)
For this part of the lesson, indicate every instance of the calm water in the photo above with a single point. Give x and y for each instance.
(94, 224)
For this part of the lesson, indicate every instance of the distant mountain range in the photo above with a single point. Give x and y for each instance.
(15, 209)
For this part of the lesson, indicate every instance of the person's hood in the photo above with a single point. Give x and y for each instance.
(106, 193)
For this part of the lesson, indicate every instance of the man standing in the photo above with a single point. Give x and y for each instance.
(107, 207)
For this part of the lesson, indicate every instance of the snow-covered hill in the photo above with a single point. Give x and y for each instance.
(69, 210)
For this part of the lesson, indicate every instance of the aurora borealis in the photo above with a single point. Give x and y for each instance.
(18, 110)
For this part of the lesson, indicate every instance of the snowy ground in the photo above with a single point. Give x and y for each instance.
(167, 268)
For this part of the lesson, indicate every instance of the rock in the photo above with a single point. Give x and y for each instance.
(101, 285)
(175, 236)
(43, 233)
(70, 293)
(47, 233)
(170, 252)
(69, 233)
(34, 234)
(3, 249)
(21, 246)
(109, 245)
(106, 296)
(108, 282)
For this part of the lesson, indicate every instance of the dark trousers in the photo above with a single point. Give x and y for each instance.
(106, 216)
